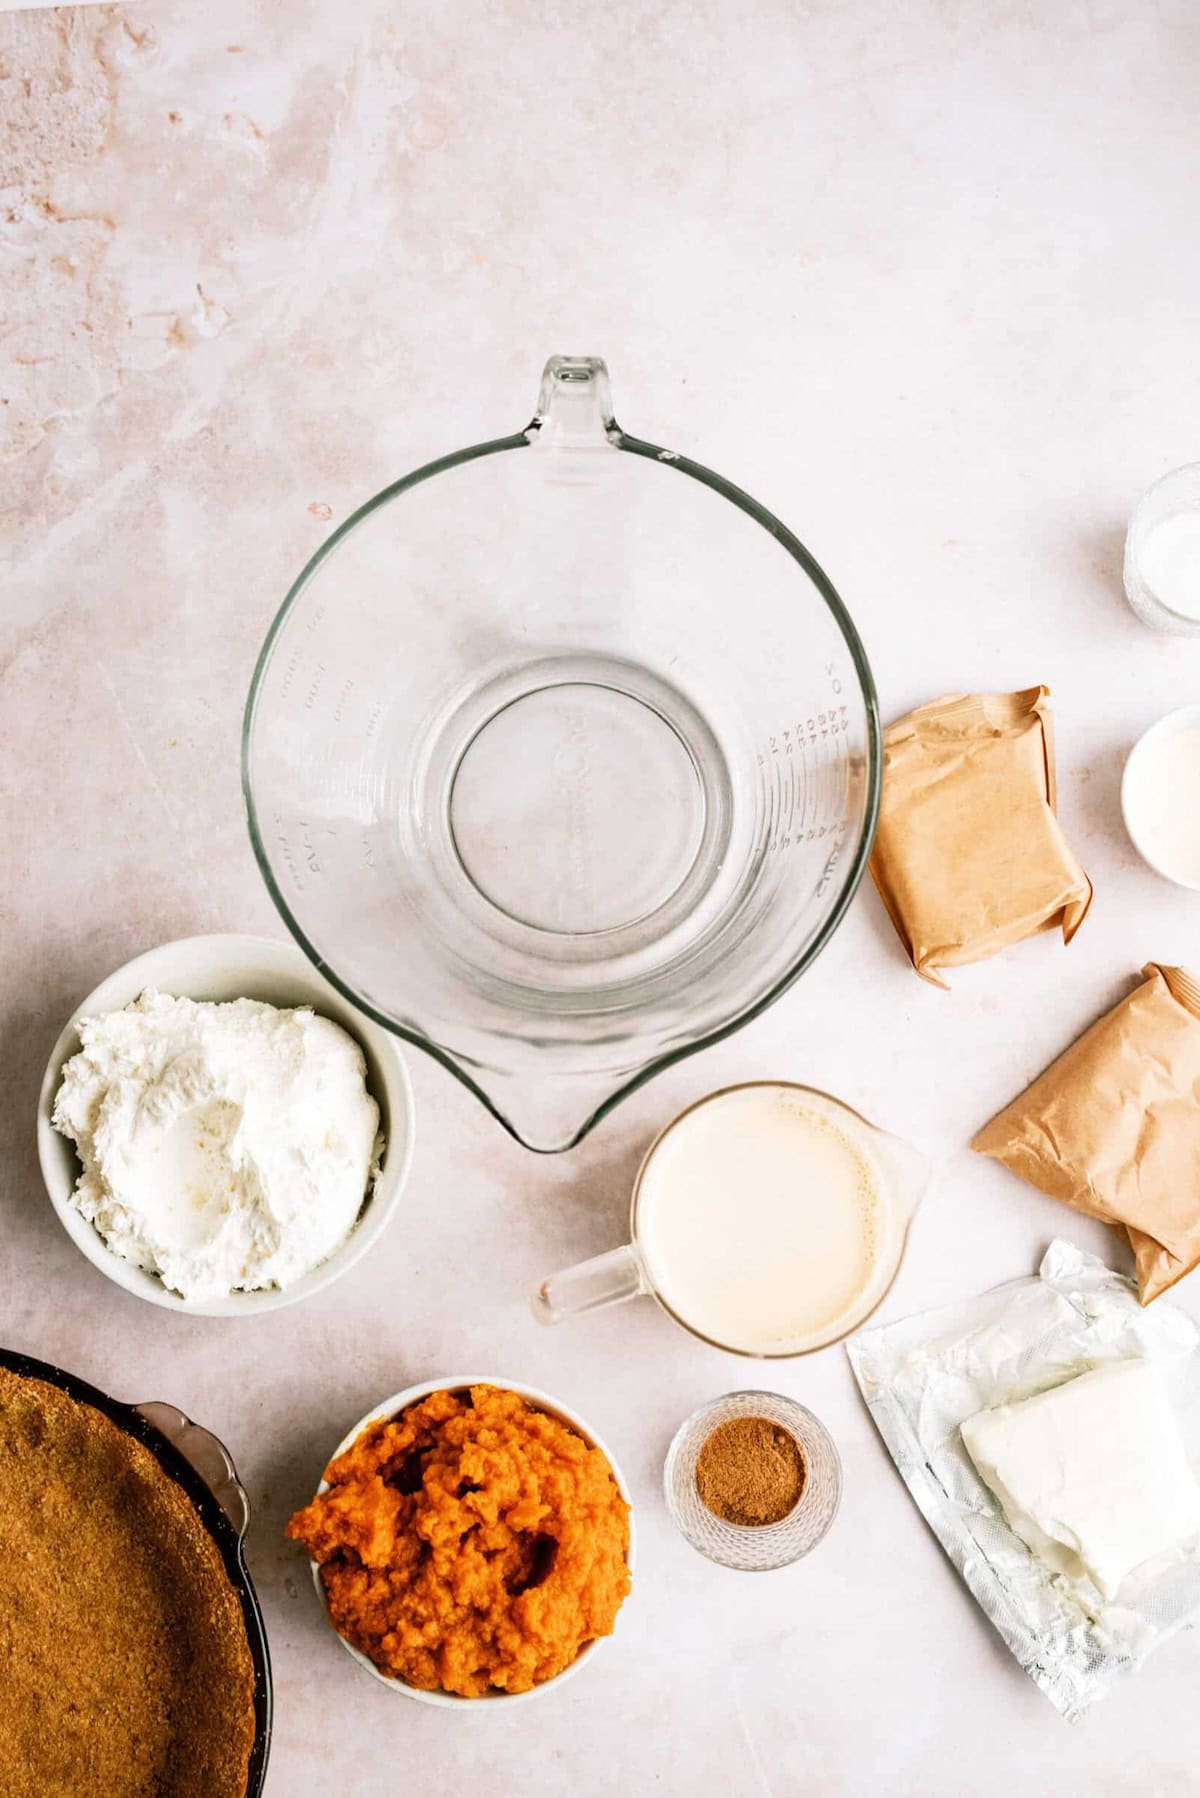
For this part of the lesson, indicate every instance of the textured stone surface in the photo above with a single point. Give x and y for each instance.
(924, 280)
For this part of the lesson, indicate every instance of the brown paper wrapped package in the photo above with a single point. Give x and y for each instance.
(1113, 1126)
(969, 856)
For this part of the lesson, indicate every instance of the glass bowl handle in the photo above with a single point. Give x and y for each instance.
(574, 405)
(206, 1455)
(590, 1285)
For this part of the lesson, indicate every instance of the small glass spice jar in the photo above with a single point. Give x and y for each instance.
(751, 1547)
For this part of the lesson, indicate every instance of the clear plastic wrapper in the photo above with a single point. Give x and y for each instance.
(923, 1377)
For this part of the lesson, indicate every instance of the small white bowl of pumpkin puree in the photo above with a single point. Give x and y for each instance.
(471, 1542)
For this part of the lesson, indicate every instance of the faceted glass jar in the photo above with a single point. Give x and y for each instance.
(562, 760)
(758, 1548)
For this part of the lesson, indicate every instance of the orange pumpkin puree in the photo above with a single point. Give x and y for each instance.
(471, 1544)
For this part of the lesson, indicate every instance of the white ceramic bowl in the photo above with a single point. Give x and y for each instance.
(1186, 718)
(220, 968)
(391, 1407)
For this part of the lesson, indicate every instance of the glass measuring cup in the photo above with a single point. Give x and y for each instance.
(562, 760)
(897, 1174)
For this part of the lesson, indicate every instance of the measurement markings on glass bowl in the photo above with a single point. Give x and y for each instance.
(310, 848)
(804, 772)
(289, 674)
(285, 850)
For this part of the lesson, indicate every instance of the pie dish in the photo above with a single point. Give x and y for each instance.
(138, 1660)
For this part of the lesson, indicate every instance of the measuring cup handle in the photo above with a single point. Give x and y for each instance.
(590, 1285)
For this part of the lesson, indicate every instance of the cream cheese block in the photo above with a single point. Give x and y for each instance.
(1092, 1475)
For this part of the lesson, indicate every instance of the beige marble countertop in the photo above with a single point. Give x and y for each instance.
(925, 281)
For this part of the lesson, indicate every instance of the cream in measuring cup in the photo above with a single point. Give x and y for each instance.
(768, 1219)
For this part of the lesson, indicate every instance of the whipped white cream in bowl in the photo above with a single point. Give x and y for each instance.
(220, 1131)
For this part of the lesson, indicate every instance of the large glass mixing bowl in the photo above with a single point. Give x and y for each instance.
(562, 760)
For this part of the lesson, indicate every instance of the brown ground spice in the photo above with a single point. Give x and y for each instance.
(750, 1471)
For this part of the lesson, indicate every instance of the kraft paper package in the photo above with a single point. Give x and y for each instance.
(1113, 1126)
(969, 856)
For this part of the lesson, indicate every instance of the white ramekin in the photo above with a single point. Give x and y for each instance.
(1187, 717)
(391, 1407)
(221, 968)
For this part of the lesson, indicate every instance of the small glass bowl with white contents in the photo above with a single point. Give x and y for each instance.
(1162, 554)
(756, 1547)
(1160, 796)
